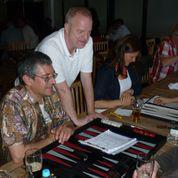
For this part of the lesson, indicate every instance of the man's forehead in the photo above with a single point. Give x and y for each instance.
(79, 16)
(44, 68)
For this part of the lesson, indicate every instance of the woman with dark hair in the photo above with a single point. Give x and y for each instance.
(116, 81)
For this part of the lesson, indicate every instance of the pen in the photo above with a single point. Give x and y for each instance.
(116, 115)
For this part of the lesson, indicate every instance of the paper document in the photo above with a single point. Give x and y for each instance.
(123, 112)
(110, 142)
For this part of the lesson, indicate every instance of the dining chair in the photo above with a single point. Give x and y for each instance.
(78, 98)
(100, 46)
(18, 46)
(4, 153)
(145, 80)
(151, 44)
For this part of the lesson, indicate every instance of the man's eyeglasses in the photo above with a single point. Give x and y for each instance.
(47, 78)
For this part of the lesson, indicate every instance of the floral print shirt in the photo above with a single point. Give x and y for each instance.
(22, 120)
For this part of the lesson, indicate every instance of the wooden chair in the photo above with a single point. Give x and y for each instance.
(145, 80)
(18, 46)
(78, 99)
(4, 153)
(151, 43)
(101, 46)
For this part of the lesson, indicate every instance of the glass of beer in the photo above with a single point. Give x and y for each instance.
(136, 110)
(33, 160)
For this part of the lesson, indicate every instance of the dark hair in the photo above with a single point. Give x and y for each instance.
(128, 44)
(29, 64)
(74, 10)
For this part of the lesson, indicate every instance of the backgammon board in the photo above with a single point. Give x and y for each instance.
(74, 160)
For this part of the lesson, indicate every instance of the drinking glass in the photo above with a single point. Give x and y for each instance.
(136, 110)
(144, 167)
(4, 174)
(33, 160)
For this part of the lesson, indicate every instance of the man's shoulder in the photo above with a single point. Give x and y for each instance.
(54, 39)
(15, 95)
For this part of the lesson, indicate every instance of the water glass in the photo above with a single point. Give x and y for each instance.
(33, 160)
(144, 167)
(4, 174)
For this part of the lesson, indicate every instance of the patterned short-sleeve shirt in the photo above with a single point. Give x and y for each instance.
(22, 120)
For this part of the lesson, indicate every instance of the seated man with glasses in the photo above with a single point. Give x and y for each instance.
(30, 111)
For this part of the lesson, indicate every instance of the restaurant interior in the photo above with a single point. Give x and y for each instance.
(151, 21)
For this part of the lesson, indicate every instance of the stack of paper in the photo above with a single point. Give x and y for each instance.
(110, 142)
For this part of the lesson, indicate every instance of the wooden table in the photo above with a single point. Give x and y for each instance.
(160, 88)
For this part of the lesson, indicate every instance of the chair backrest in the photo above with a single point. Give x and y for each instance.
(78, 99)
(100, 46)
(145, 80)
(151, 43)
(18, 46)
(4, 153)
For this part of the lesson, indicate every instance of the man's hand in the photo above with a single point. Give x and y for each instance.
(62, 133)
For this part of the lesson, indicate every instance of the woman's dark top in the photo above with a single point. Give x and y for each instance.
(107, 85)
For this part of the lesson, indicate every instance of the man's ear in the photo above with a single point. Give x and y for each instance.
(66, 27)
(27, 80)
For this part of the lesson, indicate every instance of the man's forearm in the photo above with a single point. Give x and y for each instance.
(88, 91)
(21, 148)
(67, 102)
(169, 60)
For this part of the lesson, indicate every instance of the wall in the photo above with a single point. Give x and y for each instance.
(162, 15)
(131, 13)
(101, 8)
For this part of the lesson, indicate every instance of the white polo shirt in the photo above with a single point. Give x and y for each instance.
(67, 66)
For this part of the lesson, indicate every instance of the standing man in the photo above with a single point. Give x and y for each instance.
(71, 51)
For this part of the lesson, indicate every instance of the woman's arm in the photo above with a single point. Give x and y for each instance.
(164, 100)
(125, 100)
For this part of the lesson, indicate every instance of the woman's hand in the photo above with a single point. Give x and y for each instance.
(127, 99)
(129, 92)
(161, 100)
